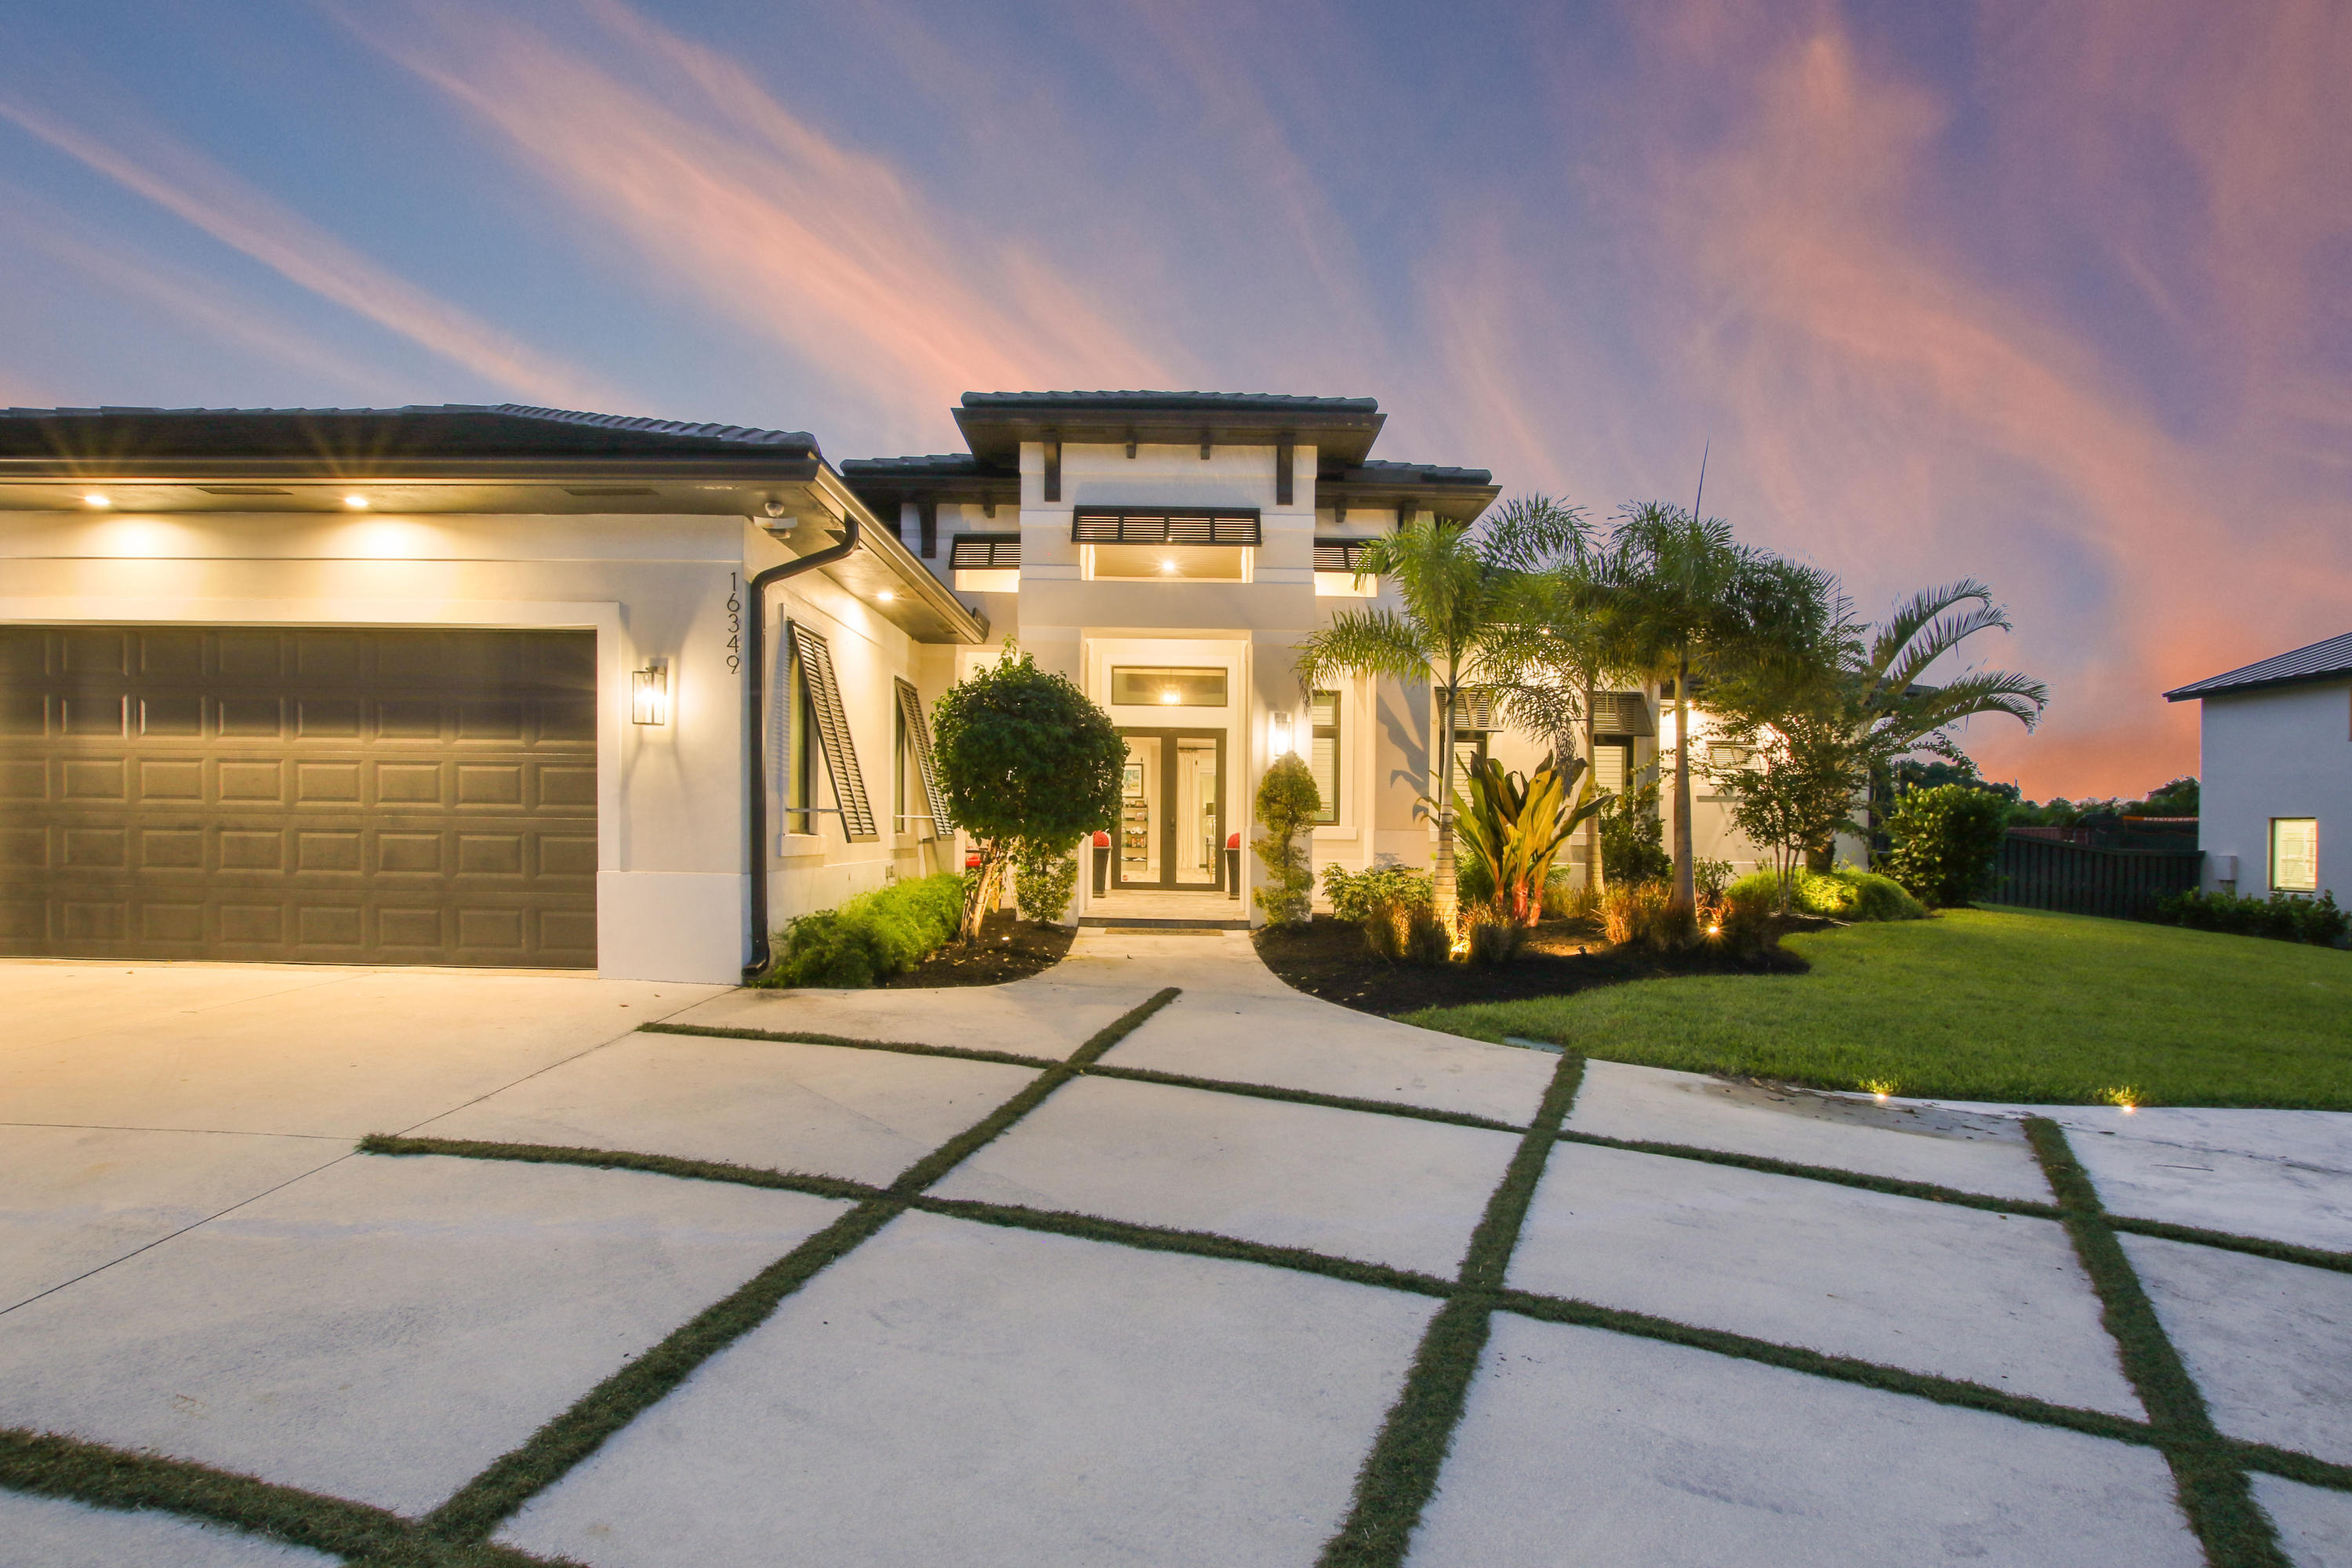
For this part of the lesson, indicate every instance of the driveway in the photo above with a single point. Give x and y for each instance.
(1147, 1260)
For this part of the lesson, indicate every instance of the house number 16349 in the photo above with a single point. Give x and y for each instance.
(734, 624)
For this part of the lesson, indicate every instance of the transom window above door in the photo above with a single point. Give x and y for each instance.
(1165, 686)
(1158, 544)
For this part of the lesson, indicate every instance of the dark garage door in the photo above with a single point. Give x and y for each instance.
(329, 796)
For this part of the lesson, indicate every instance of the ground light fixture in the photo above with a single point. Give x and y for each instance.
(649, 693)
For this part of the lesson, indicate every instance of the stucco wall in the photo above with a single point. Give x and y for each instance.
(2282, 753)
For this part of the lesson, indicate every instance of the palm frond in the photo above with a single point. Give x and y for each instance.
(1948, 633)
(1364, 642)
(1917, 613)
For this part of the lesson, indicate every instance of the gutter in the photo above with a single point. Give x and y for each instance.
(755, 649)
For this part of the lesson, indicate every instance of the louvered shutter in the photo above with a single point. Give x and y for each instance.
(833, 734)
(918, 735)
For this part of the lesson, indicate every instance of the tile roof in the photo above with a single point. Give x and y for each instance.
(448, 429)
(1204, 402)
(1381, 471)
(2321, 661)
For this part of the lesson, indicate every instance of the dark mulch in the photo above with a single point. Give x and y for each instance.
(1327, 958)
(1009, 948)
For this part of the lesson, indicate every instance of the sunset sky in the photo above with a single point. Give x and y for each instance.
(2055, 296)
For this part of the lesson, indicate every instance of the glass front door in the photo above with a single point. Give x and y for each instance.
(1171, 826)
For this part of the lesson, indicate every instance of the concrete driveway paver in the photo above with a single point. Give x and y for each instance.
(2285, 1175)
(1295, 1042)
(44, 1533)
(1582, 1446)
(74, 1198)
(2269, 1342)
(1973, 1152)
(958, 1393)
(50, 1000)
(824, 1110)
(383, 1328)
(366, 1051)
(1384, 1189)
(1989, 1298)
(1034, 1017)
(2314, 1525)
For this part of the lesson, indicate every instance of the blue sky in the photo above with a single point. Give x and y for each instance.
(2054, 296)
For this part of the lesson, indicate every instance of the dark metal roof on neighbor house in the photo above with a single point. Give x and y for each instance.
(2329, 660)
(1342, 429)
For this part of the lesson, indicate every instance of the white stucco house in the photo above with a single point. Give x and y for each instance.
(510, 685)
(2275, 770)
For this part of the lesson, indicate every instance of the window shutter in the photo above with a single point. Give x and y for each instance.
(1139, 525)
(926, 762)
(833, 734)
(985, 551)
(1338, 554)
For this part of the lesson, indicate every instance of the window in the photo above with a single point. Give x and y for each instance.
(1158, 686)
(800, 749)
(1145, 544)
(1325, 761)
(1166, 562)
(986, 562)
(2295, 853)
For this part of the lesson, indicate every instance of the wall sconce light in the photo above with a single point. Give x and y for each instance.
(1282, 725)
(649, 693)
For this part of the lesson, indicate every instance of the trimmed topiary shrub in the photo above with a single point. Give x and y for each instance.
(1287, 803)
(871, 937)
(1943, 842)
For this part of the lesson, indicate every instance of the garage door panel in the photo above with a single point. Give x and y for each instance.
(330, 796)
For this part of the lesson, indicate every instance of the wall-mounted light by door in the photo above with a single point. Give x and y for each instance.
(649, 693)
(1282, 723)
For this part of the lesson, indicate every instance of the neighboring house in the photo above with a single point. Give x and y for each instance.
(491, 686)
(2275, 809)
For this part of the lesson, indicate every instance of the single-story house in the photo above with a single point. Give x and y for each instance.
(513, 686)
(2276, 771)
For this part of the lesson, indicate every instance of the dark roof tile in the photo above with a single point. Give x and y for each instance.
(2321, 661)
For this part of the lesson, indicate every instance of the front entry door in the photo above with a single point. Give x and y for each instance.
(1171, 827)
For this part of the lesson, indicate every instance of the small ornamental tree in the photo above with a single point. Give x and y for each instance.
(1287, 803)
(1945, 840)
(1028, 763)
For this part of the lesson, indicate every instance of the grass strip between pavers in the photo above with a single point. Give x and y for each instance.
(512, 1479)
(2292, 1466)
(1097, 1069)
(2208, 1473)
(1400, 1474)
(44, 1464)
(2228, 1241)
(1894, 1186)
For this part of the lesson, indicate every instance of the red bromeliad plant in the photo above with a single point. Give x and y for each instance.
(1516, 825)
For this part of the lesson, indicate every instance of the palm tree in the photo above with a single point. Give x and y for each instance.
(1456, 593)
(1892, 712)
(1677, 595)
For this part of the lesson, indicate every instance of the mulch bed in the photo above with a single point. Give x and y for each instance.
(1009, 948)
(1327, 958)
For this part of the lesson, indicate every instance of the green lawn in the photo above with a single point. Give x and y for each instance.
(2004, 1004)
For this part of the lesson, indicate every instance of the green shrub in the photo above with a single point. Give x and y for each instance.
(1843, 894)
(1492, 936)
(870, 937)
(1632, 839)
(1943, 842)
(1642, 914)
(1748, 922)
(1287, 803)
(1045, 877)
(2282, 916)
(1566, 898)
(1397, 908)
(1710, 878)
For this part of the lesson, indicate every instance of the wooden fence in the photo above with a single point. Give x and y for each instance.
(2123, 883)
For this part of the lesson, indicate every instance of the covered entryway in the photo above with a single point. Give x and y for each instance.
(315, 795)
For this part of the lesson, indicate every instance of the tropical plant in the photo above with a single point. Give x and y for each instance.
(1677, 595)
(1516, 824)
(1634, 837)
(1044, 877)
(1025, 760)
(1287, 805)
(1354, 895)
(1457, 599)
(1943, 842)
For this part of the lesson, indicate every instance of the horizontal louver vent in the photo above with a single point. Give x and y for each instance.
(1473, 711)
(1338, 554)
(985, 551)
(1123, 525)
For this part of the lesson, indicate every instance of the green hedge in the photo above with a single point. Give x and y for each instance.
(871, 937)
(1843, 894)
(2282, 916)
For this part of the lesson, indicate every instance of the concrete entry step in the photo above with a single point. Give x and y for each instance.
(1142, 924)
